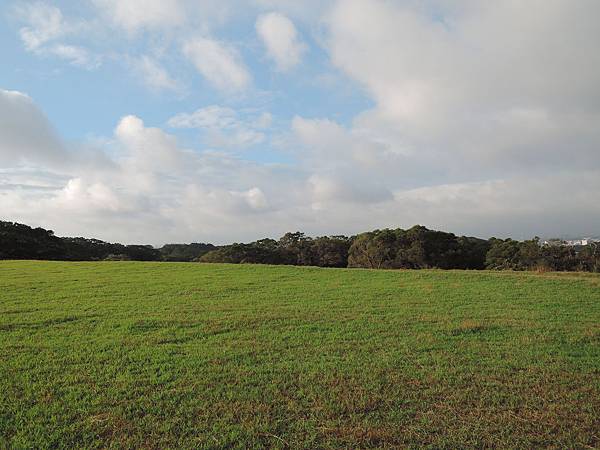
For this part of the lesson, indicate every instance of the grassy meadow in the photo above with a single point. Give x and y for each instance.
(178, 355)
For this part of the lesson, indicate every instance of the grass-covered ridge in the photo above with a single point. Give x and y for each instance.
(191, 355)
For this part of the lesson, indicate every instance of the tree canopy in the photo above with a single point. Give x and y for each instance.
(414, 248)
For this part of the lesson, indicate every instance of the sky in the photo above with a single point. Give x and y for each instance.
(158, 121)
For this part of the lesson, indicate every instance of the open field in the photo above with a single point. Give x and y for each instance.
(217, 356)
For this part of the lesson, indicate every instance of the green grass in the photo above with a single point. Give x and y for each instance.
(160, 355)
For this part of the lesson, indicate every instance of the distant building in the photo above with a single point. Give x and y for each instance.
(554, 242)
(570, 242)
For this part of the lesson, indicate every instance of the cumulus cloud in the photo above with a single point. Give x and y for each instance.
(153, 184)
(26, 136)
(149, 150)
(79, 196)
(256, 198)
(493, 82)
(521, 206)
(329, 191)
(160, 192)
(219, 63)
(353, 153)
(281, 40)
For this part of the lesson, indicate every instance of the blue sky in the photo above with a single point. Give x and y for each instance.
(83, 102)
(202, 120)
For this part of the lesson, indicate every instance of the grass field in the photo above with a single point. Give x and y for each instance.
(162, 355)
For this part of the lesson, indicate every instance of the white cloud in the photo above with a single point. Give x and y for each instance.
(44, 23)
(265, 120)
(219, 63)
(153, 74)
(255, 198)
(331, 147)
(149, 150)
(214, 116)
(330, 191)
(280, 37)
(238, 139)
(455, 82)
(134, 15)
(223, 127)
(75, 55)
(26, 136)
(153, 184)
(309, 11)
(521, 207)
(79, 196)
(45, 31)
(173, 194)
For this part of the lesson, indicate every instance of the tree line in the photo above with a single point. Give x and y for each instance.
(415, 248)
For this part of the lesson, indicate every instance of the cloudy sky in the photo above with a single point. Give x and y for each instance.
(154, 121)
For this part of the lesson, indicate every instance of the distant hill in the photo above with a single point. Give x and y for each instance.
(18, 241)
